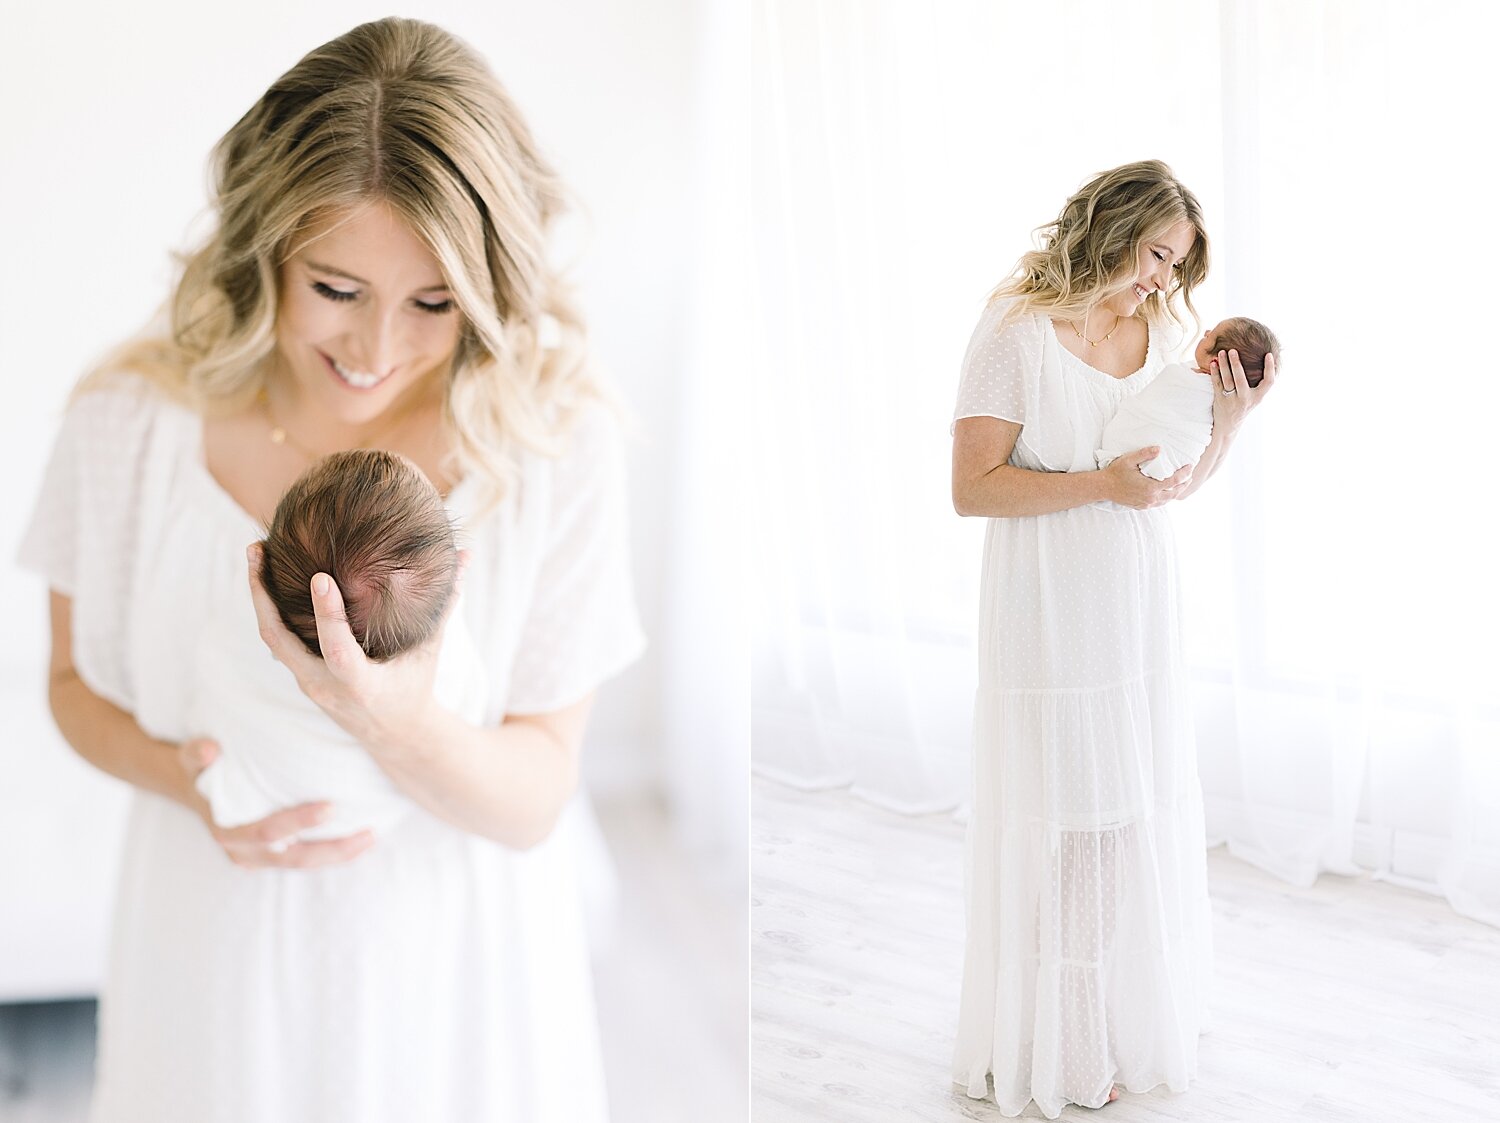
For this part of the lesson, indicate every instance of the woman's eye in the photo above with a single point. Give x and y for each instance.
(332, 293)
(1156, 254)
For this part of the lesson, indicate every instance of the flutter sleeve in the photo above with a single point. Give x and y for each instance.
(81, 535)
(582, 626)
(1001, 368)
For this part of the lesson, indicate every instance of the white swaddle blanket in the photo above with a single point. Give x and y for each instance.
(1175, 410)
(278, 749)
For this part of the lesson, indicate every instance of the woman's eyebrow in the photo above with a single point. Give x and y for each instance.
(321, 268)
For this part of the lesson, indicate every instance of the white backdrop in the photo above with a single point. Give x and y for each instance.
(111, 114)
(1342, 618)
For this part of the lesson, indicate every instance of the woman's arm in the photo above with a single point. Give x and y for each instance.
(1213, 456)
(507, 783)
(112, 741)
(985, 484)
(102, 733)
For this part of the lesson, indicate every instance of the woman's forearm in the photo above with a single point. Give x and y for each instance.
(1008, 492)
(110, 739)
(1213, 456)
(508, 782)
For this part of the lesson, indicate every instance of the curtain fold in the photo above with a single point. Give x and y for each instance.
(1341, 616)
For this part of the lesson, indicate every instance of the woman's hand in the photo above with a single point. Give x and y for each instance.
(378, 704)
(1130, 487)
(1235, 398)
(268, 842)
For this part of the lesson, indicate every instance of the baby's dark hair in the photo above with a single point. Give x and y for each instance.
(375, 524)
(1253, 340)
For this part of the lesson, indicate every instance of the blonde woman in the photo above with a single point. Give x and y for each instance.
(378, 278)
(1088, 955)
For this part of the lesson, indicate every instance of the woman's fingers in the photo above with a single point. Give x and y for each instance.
(274, 827)
(1237, 374)
(341, 651)
(197, 753)
(1164, 491)
(1225, 373)
(272, 841)
(1268, 378)
(324, 851)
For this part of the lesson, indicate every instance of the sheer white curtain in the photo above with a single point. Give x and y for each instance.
(1341, 623)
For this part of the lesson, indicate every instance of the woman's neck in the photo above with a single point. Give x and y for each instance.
(315, 429)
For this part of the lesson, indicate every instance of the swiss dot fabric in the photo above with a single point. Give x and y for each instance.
(439, 976)
(1087, 956)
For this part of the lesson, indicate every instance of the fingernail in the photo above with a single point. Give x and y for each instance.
(320, 584)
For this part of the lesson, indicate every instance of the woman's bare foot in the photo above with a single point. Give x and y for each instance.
(1114, 1093)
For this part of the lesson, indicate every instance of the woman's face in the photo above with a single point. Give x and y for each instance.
(365, 315)
(1155, 263)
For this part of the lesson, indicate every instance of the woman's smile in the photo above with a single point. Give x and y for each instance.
(353, 379)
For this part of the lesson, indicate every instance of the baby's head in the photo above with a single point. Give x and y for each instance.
(1251, 338)
(373, 522)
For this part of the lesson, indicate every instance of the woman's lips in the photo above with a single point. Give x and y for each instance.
(351, 380)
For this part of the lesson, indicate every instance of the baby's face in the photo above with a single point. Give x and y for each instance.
(1204, 354)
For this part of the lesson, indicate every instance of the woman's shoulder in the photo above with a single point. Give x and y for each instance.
(1005, 313)
(110, 422)
(119, 397)
(1006, 330)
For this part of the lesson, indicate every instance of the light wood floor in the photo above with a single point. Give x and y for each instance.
(671, 991)
(1351, 1001)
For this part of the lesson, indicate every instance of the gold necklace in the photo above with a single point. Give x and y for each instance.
(279, 435)
(1096, 342)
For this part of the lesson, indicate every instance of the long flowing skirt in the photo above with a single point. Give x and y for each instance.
(1088, 957)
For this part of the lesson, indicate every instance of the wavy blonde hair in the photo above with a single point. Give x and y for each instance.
(1089, 253)
(402, 112)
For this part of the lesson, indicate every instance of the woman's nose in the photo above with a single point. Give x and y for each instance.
(379, 342)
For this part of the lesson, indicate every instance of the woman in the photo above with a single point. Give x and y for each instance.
(1088, 953)
(378, 278)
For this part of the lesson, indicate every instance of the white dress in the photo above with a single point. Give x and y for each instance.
(1088, 956)
(439, 976)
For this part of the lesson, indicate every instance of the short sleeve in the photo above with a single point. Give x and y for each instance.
(1000, 367)
(582, 625)
(81, 537)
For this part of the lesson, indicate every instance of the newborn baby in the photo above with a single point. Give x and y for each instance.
(373, 522)
(1176, 408)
